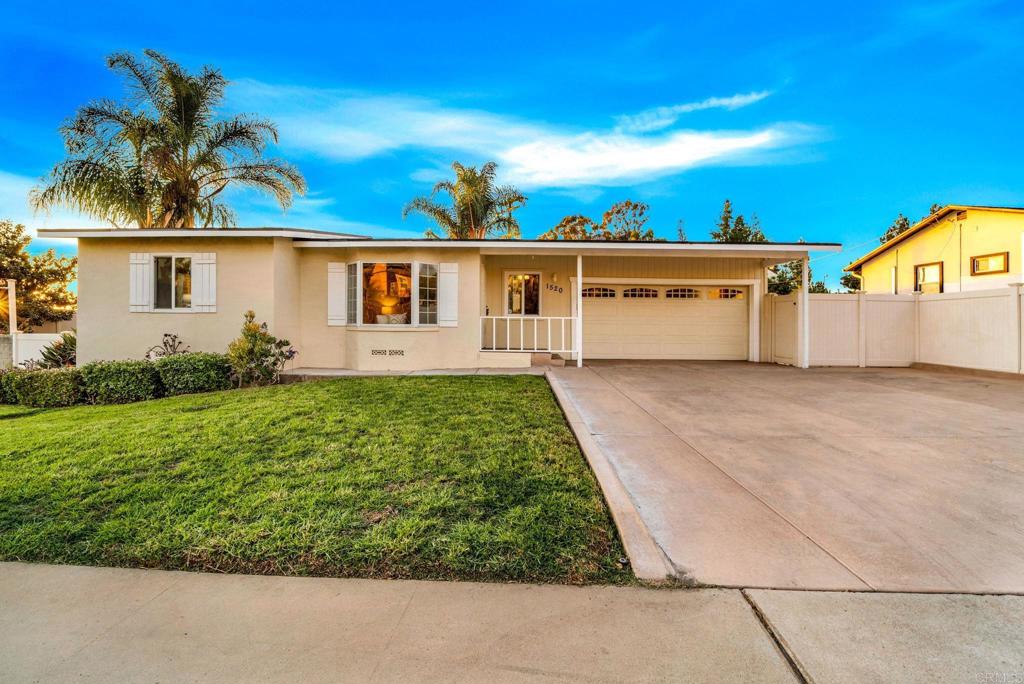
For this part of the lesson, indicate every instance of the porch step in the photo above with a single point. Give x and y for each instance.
(546, 359)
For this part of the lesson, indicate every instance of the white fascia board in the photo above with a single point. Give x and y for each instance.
(193, 233)
(777, 250)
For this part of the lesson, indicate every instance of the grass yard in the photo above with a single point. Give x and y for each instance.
(427, 477)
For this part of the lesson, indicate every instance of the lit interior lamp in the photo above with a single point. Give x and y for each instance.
(388, 303)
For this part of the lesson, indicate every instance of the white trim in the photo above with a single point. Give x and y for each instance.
(805, 318)
(133, 233)
(579, 310)
(540, 291)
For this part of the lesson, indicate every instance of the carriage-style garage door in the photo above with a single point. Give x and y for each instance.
(665, 322)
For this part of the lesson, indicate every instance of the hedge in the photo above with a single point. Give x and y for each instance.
(7, 395)
(48, 388)
(121, 382)
(194, 372)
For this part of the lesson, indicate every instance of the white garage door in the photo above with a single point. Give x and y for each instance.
(665, 322)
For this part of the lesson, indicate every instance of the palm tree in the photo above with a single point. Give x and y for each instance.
(478, 209)
(162, 158)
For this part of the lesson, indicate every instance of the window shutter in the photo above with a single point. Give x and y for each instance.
(140, 282)
(448, 295)
(204, 283)
(336, 299)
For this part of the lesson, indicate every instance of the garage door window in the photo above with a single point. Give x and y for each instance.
(725, 293)
(598, 293)
(640, 293)
(682, 293)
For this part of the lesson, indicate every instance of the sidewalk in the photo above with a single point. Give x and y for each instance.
(63, 623)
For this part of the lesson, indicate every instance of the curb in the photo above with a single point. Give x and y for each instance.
(648, 561)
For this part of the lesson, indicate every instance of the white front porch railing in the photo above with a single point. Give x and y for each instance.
(551, 334)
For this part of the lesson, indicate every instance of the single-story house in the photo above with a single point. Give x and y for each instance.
(958, 248)
(346, 301)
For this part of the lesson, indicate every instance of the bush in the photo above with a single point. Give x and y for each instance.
(121, 382)
(7, 377)
(194, 372)
(48, 388)
(257, 357)
(61, 353)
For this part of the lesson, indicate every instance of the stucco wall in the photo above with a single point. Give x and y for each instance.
(953, 243)
(106, 329)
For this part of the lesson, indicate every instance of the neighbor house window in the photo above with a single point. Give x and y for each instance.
(522, 294)
(173, 287)
(428, 294)
(928, 278)
(725, 293)
(682, 293)
(990, 263)
(598, 293)
(387, 293)
(639, 293)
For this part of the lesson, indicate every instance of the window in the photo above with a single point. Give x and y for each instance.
(725, 293)
(598, 293)
(928, 278)
(428, 294)
(173, 286)
(387, 294)
(522, 294)
(990, 263)
(639, 293)
(682, 293)
(351, 293)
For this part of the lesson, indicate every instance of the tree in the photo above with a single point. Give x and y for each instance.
(729, 229)
(850, 282)
(786, 277)
(900, 225)
(681, 230)
(625, 220)
(42, 280)
(162, 158)
(478, 208)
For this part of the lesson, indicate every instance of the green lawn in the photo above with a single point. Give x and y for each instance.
(427, 477)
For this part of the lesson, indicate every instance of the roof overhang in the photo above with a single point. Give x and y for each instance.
(772, 251)
(147, 233)
(924, 223)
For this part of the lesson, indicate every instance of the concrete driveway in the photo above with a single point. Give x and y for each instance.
(766, 476)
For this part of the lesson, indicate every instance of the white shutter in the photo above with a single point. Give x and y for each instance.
(448, 295)
(204, 282)
(140, 282)
(337, 277)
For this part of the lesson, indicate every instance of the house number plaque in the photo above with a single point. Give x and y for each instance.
(387, 352)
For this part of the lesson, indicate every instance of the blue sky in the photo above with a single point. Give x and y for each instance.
(826, 121)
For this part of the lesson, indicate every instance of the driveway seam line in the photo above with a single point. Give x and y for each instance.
(794, 664)
(738, 483)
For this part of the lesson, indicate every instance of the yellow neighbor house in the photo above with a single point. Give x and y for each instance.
(956, 249)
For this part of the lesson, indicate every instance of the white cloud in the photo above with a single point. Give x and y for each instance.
(346, 126)
(658, 118)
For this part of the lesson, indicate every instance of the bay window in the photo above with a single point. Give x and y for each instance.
(391, 293)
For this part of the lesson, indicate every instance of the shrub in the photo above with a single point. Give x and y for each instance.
(257, 357)
(7, 378)
(61, 353)
(194, 372)
(121, 382)
(48, 388)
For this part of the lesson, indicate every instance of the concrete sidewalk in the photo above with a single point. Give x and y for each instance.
(64, 623)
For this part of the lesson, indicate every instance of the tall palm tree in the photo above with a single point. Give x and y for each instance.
(162, 158)
(478, 209)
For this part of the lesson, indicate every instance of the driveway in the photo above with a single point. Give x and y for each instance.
(757, 475)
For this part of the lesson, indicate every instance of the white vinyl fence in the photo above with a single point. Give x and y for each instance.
(26, 346)
(980, 329)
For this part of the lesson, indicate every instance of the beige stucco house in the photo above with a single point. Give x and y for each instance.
(957, 249)
(347, 301)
